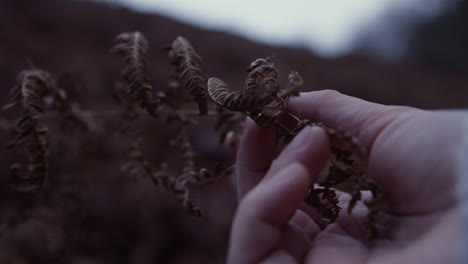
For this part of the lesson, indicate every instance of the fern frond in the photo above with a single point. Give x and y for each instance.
(223, 96)
(261, 85)
(32, 87)
(188, 63)
(295, 83)
(133, 47)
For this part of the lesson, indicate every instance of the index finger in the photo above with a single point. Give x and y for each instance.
(255, 153)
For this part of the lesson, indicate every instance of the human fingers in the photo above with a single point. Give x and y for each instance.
(257, 226)
(255, 153)
(264, 212)
(362, 119)
(307, 224)
(401, 142)
(311, 144)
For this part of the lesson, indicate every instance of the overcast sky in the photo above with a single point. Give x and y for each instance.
(328, 27)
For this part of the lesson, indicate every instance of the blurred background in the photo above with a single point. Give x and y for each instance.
(405, 52)
(329, 29)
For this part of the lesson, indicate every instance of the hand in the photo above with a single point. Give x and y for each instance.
(412, 156)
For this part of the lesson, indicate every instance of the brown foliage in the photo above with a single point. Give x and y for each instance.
(133, 46)
(32, 87)
(262, 99)
(220, 94)
(266, 104)
(188, 63)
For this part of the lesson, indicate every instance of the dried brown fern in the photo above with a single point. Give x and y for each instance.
(261, 85)
(262, 99)
(266, 104)
(223, 96)
(188, 63)
(177, 184)
(295, 83)
(133, 47)
(171, 102)
(138, 167)
(32, 86)
(325, 201)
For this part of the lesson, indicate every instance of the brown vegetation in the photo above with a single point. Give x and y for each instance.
(85, 209)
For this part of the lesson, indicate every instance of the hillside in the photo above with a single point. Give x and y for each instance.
(75, 37)
(88, 211)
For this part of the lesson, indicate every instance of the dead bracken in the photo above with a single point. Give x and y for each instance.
(262, 99)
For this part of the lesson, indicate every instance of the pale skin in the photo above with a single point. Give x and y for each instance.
(412, 156)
